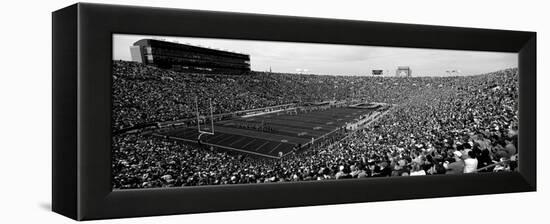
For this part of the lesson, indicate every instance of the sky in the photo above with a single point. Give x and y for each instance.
(336, 59)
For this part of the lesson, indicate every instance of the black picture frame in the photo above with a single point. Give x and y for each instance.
(81, 141)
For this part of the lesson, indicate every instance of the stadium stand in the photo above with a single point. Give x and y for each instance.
(441, 125)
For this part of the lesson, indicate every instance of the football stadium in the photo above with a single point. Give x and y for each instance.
(188, 121)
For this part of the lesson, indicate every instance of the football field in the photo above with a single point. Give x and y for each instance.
(271, 134)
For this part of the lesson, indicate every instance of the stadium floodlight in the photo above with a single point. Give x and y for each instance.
(201, 132)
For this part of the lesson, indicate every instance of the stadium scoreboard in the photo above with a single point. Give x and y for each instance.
(377, 72)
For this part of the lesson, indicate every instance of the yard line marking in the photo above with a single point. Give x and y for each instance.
(240, 139)
(261, 135)
(226, 147)
(253, 140)
(223, 139)
(215, 136)
(259, 147)
(274, 148)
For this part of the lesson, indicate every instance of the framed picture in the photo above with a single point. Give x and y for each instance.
(169, 111)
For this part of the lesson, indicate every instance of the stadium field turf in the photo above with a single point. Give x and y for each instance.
(285, 130)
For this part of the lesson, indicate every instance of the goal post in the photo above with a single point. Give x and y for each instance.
(207, 130)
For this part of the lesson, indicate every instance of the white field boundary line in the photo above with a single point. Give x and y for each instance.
(394, 106)
(309, 142)
(219, 146)
(376, 117)
(283, 137)
(268, 112)
(181, 121)
(270, 151)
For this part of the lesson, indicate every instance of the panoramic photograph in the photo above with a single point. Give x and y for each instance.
(203, 111)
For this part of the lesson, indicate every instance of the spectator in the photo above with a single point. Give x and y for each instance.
(470, 163)
(476, 114)
(456, 167)
(416, 170)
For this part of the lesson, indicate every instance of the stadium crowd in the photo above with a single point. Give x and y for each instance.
(442, 125)
(144, 94)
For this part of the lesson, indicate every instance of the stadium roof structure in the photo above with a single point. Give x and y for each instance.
(185, 57)
(188, 47)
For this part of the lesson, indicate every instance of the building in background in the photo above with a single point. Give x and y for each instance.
(377, 72)
(403, 71)
(183, 57)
